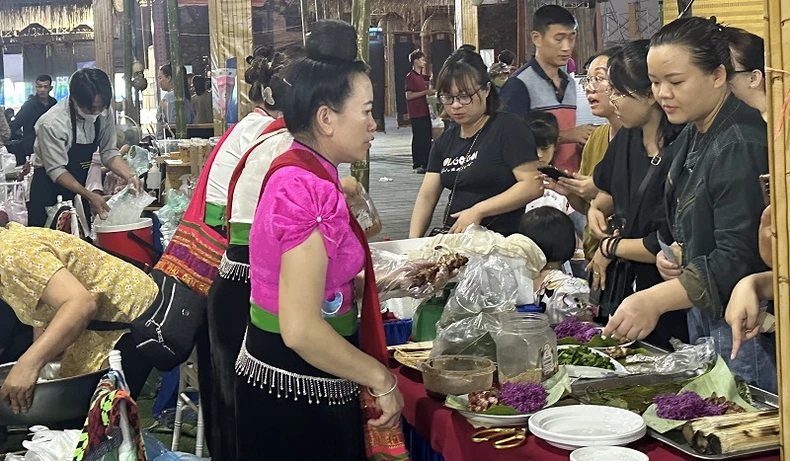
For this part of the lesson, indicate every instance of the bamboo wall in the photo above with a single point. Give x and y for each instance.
(777, 48)
(746, 14)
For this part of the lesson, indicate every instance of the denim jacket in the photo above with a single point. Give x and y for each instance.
(714, 201)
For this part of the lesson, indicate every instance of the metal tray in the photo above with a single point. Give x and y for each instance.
(762, 400)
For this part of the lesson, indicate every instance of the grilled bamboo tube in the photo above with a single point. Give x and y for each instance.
(734, 432)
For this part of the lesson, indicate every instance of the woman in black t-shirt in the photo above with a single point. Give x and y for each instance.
(486, 159)
(631, 182)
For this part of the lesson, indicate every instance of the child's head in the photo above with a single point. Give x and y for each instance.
(546, 132)
(552, 231)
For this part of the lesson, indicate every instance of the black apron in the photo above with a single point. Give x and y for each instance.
(44, 192)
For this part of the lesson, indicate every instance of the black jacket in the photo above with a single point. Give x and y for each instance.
(26, 119)
(714, 202)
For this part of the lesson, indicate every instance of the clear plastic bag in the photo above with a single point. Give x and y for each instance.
(170, 215)
(49, 445)
(125, 207)
(15, 207)
(485, 293)
(686, 357)
(397, 276)
(570, 297)
(364, 210)
(138, 159)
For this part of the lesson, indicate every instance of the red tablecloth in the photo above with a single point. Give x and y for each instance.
(451, 435)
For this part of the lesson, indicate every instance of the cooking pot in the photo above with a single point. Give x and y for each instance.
(54, 399)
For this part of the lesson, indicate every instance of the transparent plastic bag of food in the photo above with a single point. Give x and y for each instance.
(485, 294)
(364, 210)
(399, 277)
(126, 207)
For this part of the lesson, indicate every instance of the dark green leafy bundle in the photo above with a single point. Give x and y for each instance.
(633, 398)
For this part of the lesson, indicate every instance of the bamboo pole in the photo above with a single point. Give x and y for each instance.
(128, 60)
(777, 48)
(466, 32)
(360, 18)
(174, 28)
(103, 36)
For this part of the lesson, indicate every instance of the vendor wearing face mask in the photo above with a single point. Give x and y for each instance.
(66, 138)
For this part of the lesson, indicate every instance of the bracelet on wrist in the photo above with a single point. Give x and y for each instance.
(392, 389)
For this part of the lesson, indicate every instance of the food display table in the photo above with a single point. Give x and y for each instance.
(450, 435)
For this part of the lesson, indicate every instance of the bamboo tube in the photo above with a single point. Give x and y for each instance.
(734, 432)
(777, 48)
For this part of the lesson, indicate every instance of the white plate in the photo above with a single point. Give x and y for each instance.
(608, 454)
(577, 371)
(475, 418)
(587, 425)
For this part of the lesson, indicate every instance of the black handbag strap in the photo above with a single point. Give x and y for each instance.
(640, 193)
(103, 325)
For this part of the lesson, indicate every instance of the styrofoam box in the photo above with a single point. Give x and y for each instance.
(403, 308)
(401, 246)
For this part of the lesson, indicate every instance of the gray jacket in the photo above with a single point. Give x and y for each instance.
(714, 202)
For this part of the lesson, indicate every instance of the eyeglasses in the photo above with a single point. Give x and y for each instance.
(463, 99)
(593, 82)
(615, 96)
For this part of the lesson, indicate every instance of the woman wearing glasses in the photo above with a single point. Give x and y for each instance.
(630, 179)
(487, 159)
(581, 189)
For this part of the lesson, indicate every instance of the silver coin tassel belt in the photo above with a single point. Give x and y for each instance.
(233, 270)
(286, 384)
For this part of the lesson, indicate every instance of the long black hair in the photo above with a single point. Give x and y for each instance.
(628, 75)
(706, 41)
(323, 77)
(747, 49)
(462, 68)
(167, 71)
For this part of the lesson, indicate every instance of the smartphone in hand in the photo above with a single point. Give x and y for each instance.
(554, 173)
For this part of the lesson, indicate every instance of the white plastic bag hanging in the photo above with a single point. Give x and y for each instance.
(49, 445)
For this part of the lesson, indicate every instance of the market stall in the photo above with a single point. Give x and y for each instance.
(546, 384)
(434, 432)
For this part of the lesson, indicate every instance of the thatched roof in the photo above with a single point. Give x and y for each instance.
(52, 14)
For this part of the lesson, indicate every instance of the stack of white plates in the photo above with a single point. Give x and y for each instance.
(608, 454)
(579, 426)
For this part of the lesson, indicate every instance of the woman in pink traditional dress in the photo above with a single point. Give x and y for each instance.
(299, 368)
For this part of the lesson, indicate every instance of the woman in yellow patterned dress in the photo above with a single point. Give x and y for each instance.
(60, 283)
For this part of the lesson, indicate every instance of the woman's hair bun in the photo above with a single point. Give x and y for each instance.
(332, 40)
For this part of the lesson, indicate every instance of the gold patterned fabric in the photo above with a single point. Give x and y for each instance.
(30, 256)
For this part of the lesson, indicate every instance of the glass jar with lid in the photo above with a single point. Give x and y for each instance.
(526, 348)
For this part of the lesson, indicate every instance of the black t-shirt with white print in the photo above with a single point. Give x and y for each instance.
(485, 169)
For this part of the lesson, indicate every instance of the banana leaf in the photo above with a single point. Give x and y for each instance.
(718, 380)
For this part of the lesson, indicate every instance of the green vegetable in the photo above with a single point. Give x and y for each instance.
(584, 356)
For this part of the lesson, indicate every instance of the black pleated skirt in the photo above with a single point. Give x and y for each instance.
(284, 429)
(227, 312)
